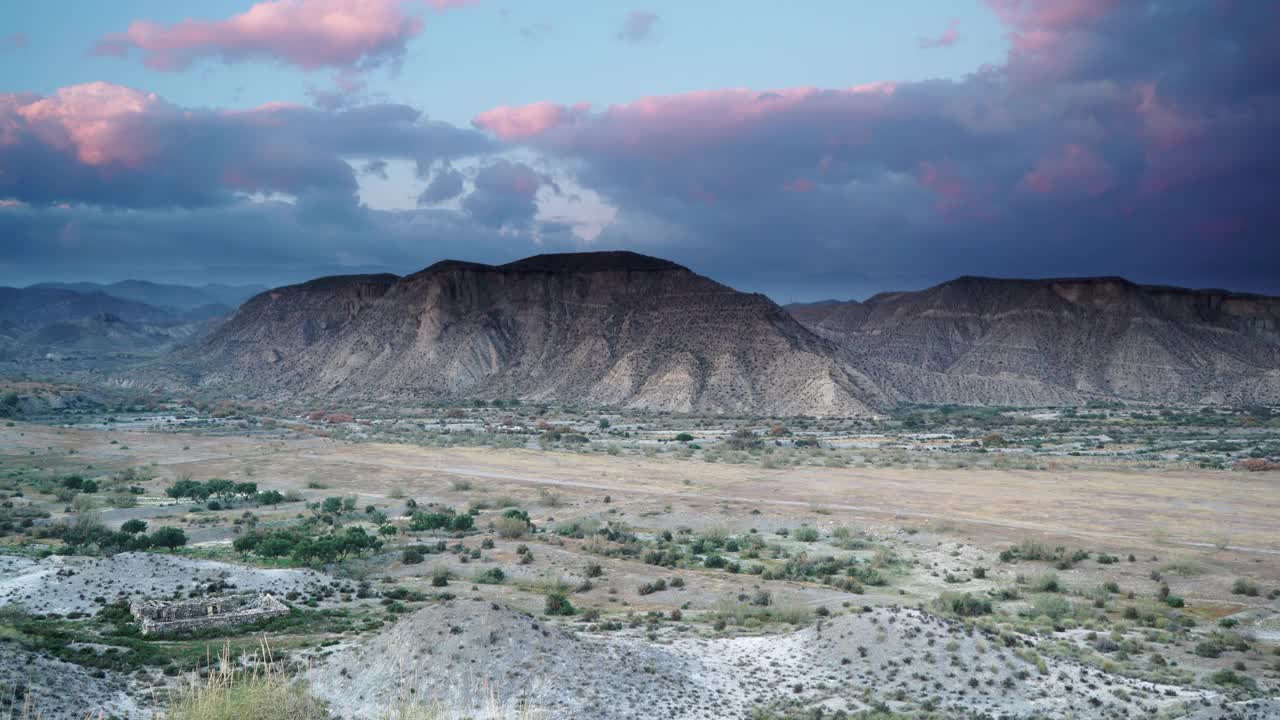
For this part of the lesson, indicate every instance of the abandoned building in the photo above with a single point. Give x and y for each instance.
(161, 617)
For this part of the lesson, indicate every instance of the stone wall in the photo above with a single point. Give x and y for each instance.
(196, 614)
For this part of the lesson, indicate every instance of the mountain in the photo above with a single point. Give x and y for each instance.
(29, 308)
(207, 300)
(614, 329)
(1059, 341)
(39, 320)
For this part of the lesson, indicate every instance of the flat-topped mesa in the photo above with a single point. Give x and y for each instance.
(604, 329)
(1059, 341)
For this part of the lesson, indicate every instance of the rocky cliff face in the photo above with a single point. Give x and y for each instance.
(615, 329)
(1032, 342)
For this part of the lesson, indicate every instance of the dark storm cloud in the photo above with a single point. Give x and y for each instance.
(269, 243)
(1119, 137)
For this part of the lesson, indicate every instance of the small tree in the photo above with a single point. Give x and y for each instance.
(168, 537)
(133, 527)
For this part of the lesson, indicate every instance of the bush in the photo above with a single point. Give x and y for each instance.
(1051, 606)
(1232, 678)
(511, 528)
(558, 604)
(806, 534)
(411, 556)
(492, 576)
(962, 604)
(1208, 649)
(1243, 586)
(652, 587)
(1046, 583)
(440, 577)
(684, 437)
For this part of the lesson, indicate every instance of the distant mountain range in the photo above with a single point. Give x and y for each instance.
(628, 330)
(180, 297)
(130, 317)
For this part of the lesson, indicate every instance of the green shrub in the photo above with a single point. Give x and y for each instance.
(1051, 606)
(806, 534)
(1243, 586)
(1208, 649)
(557, 603)
(492, 576)
(510, 527)
(1047, 582)
(962, 604)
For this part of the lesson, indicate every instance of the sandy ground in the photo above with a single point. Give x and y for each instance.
(1145, 509)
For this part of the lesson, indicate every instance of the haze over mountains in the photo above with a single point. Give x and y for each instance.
(628, 330)
(121, 318)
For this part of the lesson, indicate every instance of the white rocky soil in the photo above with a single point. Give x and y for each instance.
(82, 584)
(464, 652)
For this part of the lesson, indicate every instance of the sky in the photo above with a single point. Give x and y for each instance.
(822, 149)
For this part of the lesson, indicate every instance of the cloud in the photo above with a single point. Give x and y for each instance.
(309, 34)
(271, 242)
(110, 145)
(1141, 121)
(505, 195)
(376, 168)
(515, 123)
(15, 41)
(950, 36)
(349, 88)
(445, 185)
(638, 27)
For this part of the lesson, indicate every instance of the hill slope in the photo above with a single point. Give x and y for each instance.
(1033, 342)
(615, 329)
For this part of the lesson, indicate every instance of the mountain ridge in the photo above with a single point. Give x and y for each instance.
(1059, 341)
(618, 329)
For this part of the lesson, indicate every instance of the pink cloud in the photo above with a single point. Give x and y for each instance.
(93, 121)
(519, 123)
(114, 145)
(677, 119)
(1073, 169)
(950, 36)
(1048, 37)
(307, 33)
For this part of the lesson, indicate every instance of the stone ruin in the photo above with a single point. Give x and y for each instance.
(161, 617)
